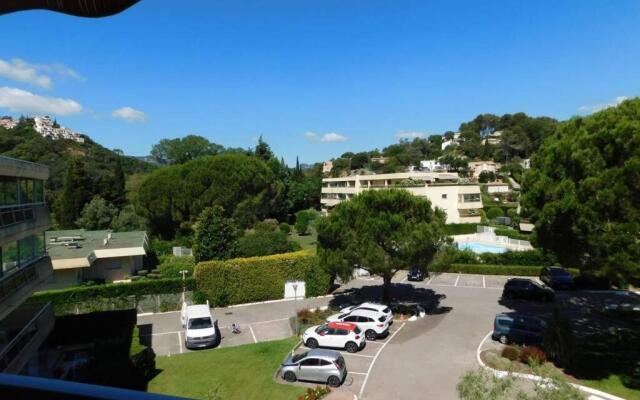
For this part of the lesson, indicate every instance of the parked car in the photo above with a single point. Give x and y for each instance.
(199, 325)
(518, 328)
(316, 365)
(556, 277)
(415, 274)
(384, 309)
(342, 335)
(623, 301)
(373, 323)
(520, 288)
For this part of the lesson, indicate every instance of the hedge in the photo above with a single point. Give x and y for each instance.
(245, 280)
(112, 290)
(460, 229)
(529, 257)
(513, 234)
(492, 269)
(170, 266)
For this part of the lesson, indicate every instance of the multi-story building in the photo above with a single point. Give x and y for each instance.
(8, 122)
(24, 217)
(462, 202)
(478, 167)
(46, 127)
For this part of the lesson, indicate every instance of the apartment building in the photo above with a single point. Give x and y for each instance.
(462, 202)
(24, 217)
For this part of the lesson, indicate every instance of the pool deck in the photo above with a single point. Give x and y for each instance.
(495, 241)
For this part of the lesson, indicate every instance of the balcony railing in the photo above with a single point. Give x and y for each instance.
(18, 214)
(33, 332)
(17, 279)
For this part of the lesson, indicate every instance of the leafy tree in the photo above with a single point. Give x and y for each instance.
(382, 231)
(495, 212)
(284, 228)
(583, 195)
(303, 221)
(127, 220)
(359, 160)
(97, 214)
(75, 194)
(487, 176)
(119, 184)
(262, 150)
(215, 236)
(340, 166)
(181, 150)
(264, 243)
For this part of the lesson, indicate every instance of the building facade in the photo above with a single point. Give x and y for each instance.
(461, 202)
(24, 217)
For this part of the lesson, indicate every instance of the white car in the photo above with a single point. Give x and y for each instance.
(342, 335)
(372, 323)
(199, 325)
(386, 310)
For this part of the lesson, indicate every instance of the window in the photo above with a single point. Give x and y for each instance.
(26, 191)
(309, 362)
(444, 195)
(352, 318)
(9, 257)
(38, 191)
(26, 250)
(324, 363)
(342, 332)
(469, 197)
(8, 191)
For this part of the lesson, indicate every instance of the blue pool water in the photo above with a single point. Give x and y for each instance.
(481, 248)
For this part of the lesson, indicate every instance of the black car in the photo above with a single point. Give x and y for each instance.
(556, 277)
(518, 328)
(415, 274)
(519, 288)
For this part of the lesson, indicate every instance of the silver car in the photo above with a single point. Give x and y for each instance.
(318, 365)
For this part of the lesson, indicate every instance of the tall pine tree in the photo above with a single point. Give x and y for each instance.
(75, 194)
(119, 184)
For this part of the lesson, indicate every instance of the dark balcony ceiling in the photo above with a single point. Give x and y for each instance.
(80, 8)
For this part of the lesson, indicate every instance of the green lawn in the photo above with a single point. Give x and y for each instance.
(613, 385)
(306, 241)
(242, 372)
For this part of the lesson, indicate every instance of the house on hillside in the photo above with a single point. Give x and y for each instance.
(79, 255)
(432, 165)
(494, 138)
(327, 166)
(497, 187)
(455, 140)
(478, 167)
(380, 160)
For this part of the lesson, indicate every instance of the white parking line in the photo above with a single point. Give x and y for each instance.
(180, 341)
(354, 355)
(457, 279)
(404, 280)
(374, 360)
(160, 333)
(253, 335)
(271, 320)
(484, 285)
(358, 373)
(430, 279)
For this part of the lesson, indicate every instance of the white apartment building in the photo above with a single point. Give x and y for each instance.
(461, 202)
(44, 126)
(8, 123)
(478, 167)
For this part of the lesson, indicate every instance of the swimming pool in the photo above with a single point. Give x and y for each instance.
(481, 248)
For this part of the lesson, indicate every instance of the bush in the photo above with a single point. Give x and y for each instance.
(303, 221)
(284, 228)
(511, 353)
(268, 225)
(488, 269)
(460, 229)
(316, 317)
(632, 380)
(315, 393)
(245, 280)
(112, 290)
(496, 361)
(170, 266)
(592, 282)
(513, 234)
(530, 257)
(532, 356)
(264, 243)
(495, 212)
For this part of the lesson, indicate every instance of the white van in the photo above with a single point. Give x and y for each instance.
(199, 326)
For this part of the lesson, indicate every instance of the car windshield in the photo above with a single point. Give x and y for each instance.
(321, 328)
(298, 357)
(200, 323)
(386, 310)
(382, 319)
(339, 362)
(559, 272)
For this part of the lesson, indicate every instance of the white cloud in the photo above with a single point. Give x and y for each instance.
(601, 106)
(18, 100)
(129, 114)
(19, 71)
(410, 135)
(36, 74)
(329, 137)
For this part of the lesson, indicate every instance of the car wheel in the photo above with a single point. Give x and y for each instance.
(371, 335)
(290, 376)
(312, 343)
(503, 339)
(351, 347)
(333, 381)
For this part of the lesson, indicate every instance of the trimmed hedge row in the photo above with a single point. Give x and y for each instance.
(460, 229)
(112, 290)
(492, 269)
(529, 257)
(513, 234)
(245, 280)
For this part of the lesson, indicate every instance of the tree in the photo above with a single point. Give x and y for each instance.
(583, 195)
(487, 176)
(381, 231)
(262, 150)
(127, 220)
(215, 236)
(303, 221)
(264, 243)
(97, 214)
(181, 150)
(75, 194)
(119, 184)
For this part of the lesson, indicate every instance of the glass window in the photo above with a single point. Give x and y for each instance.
(26, 191)
(8, 191)
(470, 197)
(444, 195)
(324, 362)
(310, 362)
(38, 191)
(26, 249)
(9, 257)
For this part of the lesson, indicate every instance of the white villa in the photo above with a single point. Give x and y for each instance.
(461, 202)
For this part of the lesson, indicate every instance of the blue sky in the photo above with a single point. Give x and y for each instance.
(316, 79)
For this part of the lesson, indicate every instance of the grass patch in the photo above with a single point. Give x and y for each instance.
(242, 372)
(306, 241)
(612, 384)
(136, 346)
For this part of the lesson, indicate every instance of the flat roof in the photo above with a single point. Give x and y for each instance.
(92, 241)
(397, 175)
(22, 169)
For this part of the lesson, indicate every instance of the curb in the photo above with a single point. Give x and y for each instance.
(502, 374)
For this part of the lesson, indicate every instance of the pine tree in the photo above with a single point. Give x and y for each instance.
(75, 194)
(119, 184)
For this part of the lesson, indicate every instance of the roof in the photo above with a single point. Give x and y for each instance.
(22, 169)
(365, 313)
(198, 311)
(323, 353)
(91, 246)
(526, 227)
(342, 325)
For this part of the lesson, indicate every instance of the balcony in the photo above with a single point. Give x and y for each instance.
(17, 286)
(24, 220)
(21, 334)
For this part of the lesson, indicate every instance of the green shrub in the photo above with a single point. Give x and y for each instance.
(112, 290)
(486, 269)
(304, 219)
(513, 234)
(495, 212)
(284, 228)
(496, 361)
(264, 243)
(244, 280)
(511, 353)
(268, 225)
(530, 257)
(460, 229)
(533, 356)
(170, 266)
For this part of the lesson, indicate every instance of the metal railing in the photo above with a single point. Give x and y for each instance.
(18, 214)
(489, 234)
(37, 324)
(17, 279)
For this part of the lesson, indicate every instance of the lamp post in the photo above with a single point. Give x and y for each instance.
(295, 300)
(184, 273)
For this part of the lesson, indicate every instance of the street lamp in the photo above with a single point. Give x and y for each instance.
(184, 273)
(295, 299)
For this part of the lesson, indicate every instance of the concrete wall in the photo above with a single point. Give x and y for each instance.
(113, 269)
(63, 278)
